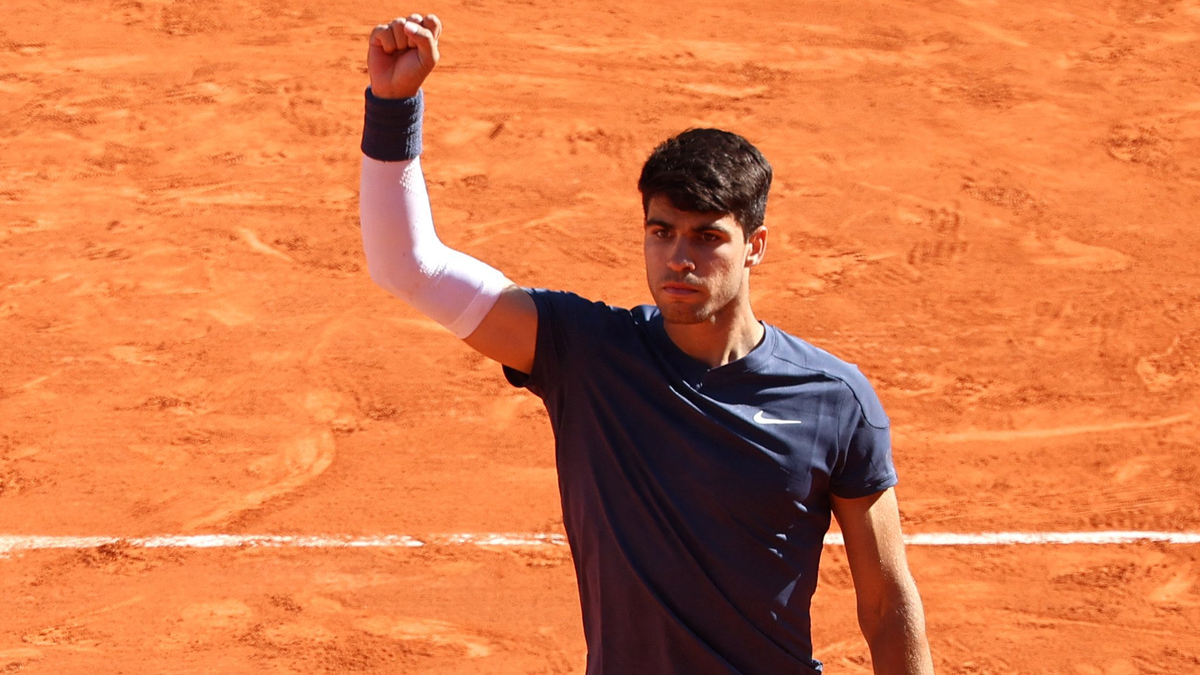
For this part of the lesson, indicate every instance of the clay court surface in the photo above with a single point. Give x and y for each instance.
(989, 206)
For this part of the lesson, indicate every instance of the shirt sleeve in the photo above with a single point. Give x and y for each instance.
(567, 324)
(864, 464)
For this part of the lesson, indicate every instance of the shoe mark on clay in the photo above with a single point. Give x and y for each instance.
(229, 314)
(308, 114)
(1142, 12)
(947, 244)
(984, 93)
(1165, 142)
(303, 619)
(132, 12)
(13, 481)
(1012, 617)
(890, 270)
(1143, 143)
(184, 18)
(1109, 52)
(598, 140)
(295, 634)
(1003, 191)
(1179, 363)
(116, 156)
(832, 267)
(1126, 471)
(207, 622)
(300, 459)
(27, 226)
(1179, 590)
(251, 239)
(430, 632)
(12, 195)
(938, 242)
(1126, 506)
(15, 659)
(1059, 250)
(1109, 576)
(37, 116)
(1050, 322)
(173, 405)
(69, 635)
(736, 93)
(1059, 432)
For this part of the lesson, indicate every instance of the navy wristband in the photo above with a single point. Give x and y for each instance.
(392, 127)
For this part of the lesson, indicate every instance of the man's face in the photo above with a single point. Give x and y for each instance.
(697, 264)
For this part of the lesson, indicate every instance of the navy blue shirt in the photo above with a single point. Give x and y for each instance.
(695, 499)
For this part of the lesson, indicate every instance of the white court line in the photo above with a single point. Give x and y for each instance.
(11, 543)
(1014, 538)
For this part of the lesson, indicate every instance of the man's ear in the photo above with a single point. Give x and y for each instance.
(757, 246)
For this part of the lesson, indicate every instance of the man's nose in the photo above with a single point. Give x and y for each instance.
(680, 259)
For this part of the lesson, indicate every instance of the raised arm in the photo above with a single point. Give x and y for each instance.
(404, 255)
(889, 607)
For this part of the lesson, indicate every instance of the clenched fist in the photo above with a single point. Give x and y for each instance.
(402, 54)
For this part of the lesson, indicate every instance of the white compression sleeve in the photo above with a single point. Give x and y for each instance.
(406, 258)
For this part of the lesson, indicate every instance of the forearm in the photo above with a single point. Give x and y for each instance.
(404, 255)
(895, 633)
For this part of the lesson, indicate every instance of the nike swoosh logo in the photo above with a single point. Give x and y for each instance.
(758, 417)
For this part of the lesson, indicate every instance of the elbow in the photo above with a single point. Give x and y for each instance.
(388, 273)
(897, 607)
(404, 275)
(379, 274)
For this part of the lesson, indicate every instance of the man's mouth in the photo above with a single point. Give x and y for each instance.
(679, 290)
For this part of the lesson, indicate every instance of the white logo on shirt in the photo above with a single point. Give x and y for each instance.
(758, 417)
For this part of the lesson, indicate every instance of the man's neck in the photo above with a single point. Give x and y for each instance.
(723, 339)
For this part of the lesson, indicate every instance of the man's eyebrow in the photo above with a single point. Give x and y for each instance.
(706, 227)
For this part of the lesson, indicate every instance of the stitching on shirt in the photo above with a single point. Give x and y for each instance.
(861, 409)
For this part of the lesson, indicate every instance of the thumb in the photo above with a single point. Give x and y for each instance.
(425, 43)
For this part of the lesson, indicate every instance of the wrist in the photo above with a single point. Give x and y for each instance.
(392, 127)
(386, 94)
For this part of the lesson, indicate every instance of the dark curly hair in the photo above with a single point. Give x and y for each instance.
(709, 171)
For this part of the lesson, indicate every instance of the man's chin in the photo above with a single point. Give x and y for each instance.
(682, 315)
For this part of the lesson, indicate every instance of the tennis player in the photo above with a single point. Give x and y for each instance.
(700, 451)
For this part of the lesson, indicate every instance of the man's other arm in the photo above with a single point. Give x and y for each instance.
(889, 607)
(404, 255)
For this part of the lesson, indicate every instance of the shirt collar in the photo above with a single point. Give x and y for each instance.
(696, 373)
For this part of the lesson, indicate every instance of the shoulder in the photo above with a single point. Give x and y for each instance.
(569, 312)
(568, 302)
(806, 357)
